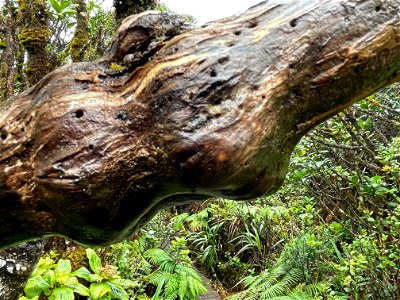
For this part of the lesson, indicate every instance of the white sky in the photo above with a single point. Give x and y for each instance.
(205, 10)
(208, 10)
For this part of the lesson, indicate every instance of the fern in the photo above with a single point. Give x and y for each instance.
(157, 256)
(277, 284)
(174, 276)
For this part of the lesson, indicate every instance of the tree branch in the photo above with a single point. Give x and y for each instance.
(173, 115)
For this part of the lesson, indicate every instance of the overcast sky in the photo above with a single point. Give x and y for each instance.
(208, 10)
(205, 10)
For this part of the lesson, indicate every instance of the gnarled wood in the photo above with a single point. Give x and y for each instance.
(171, 114)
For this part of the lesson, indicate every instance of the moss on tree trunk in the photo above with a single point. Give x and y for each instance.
(34, 34)
(81, 36)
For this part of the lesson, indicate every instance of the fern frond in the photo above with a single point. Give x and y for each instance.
(158, 277)
(171, 288)
(157, 256)
(183, 287)
(196, 287)
(167, 266)
(314, 289)
(293, 277)
(275, 290)
(187, 270)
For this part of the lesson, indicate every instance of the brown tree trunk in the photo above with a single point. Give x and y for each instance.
(7, 72)
(171, 115)
(34, 34)
(80, 40)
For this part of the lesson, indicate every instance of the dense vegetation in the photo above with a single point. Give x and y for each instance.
(331, 232)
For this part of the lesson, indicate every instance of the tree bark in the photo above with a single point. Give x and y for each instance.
(34, 35)
(80, 40)
(172, 115)
(9, 31)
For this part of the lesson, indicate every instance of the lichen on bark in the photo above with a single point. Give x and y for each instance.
(81, 36)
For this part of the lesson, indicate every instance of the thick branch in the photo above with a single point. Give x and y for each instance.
(94, 150)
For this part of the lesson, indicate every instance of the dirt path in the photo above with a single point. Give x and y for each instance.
(211, 293)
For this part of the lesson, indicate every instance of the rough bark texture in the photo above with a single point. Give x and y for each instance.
(94, 150)
(8, 37)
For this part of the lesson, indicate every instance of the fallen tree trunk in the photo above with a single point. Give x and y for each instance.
(172, 115)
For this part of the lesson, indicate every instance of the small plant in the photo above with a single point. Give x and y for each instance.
(277, 283)
(174, 276)
(64, 10)
(57, 281)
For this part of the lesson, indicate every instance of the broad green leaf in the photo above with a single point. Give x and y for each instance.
(355, 179)
(26, 298)
(126, 283)
(117, 291)
(97, 290)
(43, 265)
(68, 11)
(63, 266)
(55, 5)
(94, 260)
(85, 274)
(35, 286)
(82, 273)
(76, 287)
(81, 290)
(50, 277)
(62, 293)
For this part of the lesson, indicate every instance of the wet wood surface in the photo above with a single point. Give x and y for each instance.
(175, 114)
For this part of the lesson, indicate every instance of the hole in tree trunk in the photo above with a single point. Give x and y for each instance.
(79, 113)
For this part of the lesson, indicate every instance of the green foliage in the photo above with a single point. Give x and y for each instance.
(57, 281)
(158, 273)
(277, 283)
(174, 275)
(63, 10)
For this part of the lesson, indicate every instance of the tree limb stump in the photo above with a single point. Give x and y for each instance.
(173, 114)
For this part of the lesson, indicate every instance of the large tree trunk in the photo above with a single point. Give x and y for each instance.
(172, 115)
